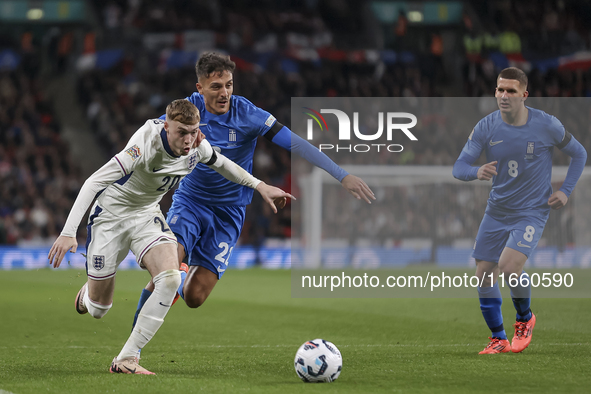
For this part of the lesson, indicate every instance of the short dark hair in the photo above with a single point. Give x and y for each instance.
(212, 62)
(514, 73)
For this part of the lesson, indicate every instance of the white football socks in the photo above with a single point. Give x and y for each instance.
(95, 309)
(153, 312)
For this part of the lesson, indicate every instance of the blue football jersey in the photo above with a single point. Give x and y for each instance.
(524, 156)
(235, 134)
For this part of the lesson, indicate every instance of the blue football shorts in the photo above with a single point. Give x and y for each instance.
(208, 233)
(519, 232)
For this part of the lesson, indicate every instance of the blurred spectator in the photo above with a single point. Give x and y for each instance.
(38, 178)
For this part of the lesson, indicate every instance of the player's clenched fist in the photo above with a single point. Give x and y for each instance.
(557, 200)
(487, 171)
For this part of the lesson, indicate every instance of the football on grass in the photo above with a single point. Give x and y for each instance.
(318, 361)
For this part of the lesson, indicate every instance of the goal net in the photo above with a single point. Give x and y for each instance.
(422, 215)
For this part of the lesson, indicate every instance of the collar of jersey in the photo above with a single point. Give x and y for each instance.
(220, 119)
(530, 115)
(165, 143)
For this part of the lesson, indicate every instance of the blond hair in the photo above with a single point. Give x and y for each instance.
(183, 111)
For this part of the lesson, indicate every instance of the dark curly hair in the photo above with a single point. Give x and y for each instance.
(212, 62)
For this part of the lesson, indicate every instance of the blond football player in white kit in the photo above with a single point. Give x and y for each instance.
(126, 215)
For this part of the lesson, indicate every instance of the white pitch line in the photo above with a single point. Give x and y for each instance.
(5, 392)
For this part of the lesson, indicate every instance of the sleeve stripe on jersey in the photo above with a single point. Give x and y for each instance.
(125, 172)
(273, 131)
(213, 159)
(567, 137)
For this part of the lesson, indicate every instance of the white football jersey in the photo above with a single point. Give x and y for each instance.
(149, 170)
(134, 180)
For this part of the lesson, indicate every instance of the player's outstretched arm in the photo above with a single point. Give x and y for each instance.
(102, 178)
(272, 195)
(285, 138)
(275, 197)
(227, 168)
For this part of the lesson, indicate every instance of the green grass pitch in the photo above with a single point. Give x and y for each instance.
(245, 337)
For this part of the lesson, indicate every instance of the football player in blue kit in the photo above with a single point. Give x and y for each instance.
(207, 213)
(519, 142)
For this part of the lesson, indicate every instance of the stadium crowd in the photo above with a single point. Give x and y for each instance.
(528, 30)
(39, 179)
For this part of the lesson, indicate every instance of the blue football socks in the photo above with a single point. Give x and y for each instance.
(521, 296)
(180, 289)
(490, 305)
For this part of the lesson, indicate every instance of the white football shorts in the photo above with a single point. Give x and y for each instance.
(111, 237)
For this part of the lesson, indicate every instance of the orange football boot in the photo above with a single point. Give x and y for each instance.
(523, 333)
(497, 345)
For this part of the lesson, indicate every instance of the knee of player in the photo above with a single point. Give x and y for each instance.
(508, 271)
(169, 280)
(194, 300)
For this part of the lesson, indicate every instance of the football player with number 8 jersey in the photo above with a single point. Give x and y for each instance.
(518, 142)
